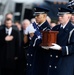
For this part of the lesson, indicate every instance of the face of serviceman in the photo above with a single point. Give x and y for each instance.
(40, 18)
(64, 18)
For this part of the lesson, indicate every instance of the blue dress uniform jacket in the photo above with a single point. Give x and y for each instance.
(62, 62)
(41, 59)
(30, 52)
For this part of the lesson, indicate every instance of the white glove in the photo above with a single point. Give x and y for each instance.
(45, 47)
(55, 47)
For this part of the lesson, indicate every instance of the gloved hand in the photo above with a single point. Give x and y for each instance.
(45, 47)
(55, 47)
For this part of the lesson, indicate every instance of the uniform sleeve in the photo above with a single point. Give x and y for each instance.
(69, 49)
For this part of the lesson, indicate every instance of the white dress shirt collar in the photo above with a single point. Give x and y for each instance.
(63, 26)
(8, 31)
(40, 24)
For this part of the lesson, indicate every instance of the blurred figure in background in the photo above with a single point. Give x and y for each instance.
(17, 23)
(22, 62)
(49, 19)
(28, 41)
(9, 15)
(33, 20)
(22, 59)
(52, 25)
(25, 23)
(9, 48)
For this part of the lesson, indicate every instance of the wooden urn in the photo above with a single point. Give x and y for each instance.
(49, 37)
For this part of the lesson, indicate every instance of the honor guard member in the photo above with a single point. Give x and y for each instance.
(31, 34)
(41, 55)
(62, 53)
